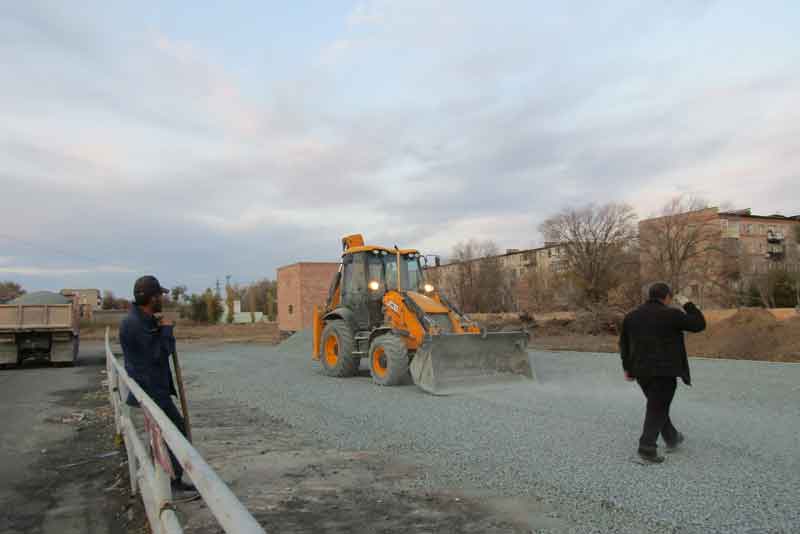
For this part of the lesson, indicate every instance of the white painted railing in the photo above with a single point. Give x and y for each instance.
(150, 465)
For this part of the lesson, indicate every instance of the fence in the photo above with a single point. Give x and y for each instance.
(150, 466)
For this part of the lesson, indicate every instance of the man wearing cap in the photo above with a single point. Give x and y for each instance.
(654, 354)
(147, 343)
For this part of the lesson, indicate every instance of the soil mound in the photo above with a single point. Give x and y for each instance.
(750, 334)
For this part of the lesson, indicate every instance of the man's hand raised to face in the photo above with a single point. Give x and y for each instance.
(680, 300)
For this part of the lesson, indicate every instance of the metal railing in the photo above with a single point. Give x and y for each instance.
(150, 465)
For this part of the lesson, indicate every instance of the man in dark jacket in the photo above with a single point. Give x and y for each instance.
(654, 354)
(147, 343)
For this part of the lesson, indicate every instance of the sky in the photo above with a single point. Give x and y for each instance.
(196, 140)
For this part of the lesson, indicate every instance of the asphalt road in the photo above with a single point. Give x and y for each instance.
(567, 440)
(37, 494)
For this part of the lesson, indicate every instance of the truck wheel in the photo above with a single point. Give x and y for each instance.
(388, 360)
(336, 350)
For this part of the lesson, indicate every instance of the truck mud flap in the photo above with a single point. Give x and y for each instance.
(8, 349)
(452, 363)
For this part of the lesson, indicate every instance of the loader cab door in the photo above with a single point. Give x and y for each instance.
(358, 270)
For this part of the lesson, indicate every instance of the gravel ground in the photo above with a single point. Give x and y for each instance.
(566, 443)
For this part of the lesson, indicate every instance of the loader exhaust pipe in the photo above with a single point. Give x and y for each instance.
(452, 363)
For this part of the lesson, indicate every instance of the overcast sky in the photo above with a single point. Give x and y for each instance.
(193, 141)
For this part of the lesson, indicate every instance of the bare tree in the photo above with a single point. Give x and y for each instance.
(627, 291)
(480, 283)
(179, 292)
(593, 238)
(259, 296)
(540, 289)
(684, 245)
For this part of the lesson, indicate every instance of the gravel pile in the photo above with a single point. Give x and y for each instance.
(568, 440)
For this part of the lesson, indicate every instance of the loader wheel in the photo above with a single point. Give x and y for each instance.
(388, 360)
(336, 350)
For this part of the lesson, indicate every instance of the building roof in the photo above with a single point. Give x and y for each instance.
(746, 213)
(509, 252)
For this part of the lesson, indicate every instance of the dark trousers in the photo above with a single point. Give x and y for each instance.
(168, 407)
(659, 390)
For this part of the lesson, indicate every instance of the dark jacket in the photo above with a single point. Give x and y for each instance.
(651, 341)
(147, 347)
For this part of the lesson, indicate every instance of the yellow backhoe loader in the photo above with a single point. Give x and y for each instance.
(380, 307)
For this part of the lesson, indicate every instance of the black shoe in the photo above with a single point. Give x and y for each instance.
(650, 456)
(672, 446)
(180, 486)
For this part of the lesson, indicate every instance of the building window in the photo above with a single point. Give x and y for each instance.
(291, 309)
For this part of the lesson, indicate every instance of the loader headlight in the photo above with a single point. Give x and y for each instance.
(428, 288)
(374, 285)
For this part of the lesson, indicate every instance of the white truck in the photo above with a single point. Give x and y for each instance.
(32, 329)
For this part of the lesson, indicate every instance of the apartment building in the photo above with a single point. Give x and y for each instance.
(725, 251)
(516, 278)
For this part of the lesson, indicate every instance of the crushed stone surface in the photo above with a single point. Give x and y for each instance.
(566, 442)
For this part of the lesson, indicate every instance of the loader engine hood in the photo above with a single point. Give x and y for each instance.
(427, 304)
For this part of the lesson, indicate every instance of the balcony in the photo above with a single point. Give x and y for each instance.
(775, 236)
(776, 251)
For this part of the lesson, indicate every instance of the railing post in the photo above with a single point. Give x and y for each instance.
(127, 423)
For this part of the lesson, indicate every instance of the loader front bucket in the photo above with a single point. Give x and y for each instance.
(452, 363)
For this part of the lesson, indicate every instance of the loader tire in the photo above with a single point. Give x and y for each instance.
(388, 360)
(336, 350)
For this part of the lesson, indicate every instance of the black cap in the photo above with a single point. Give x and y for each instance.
(146, 287)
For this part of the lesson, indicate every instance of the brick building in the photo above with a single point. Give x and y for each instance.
(301, 286)
(524, 279)
(728, 252)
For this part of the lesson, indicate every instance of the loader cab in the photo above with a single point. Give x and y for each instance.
(368, 274)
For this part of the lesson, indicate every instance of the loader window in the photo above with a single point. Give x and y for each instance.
(375, 272)
(410, 272)
(354, 281)
(415, 280)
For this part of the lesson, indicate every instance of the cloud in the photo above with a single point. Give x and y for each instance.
(193, 156)
(63, 272)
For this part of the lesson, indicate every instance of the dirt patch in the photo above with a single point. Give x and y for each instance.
(291, 484)
(750, 334)
(266, 333)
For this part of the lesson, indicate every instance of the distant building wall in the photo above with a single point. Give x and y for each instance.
(88, 300)
(301, 286)
(738, 246)
(528, 274)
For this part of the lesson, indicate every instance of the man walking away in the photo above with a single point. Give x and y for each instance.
(654, 354)
(147, 343)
